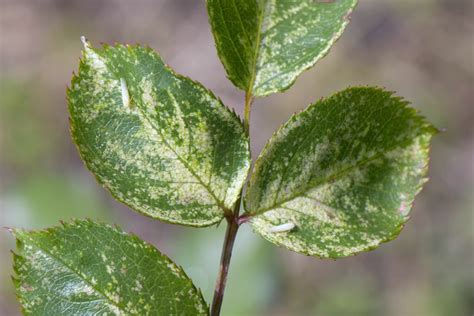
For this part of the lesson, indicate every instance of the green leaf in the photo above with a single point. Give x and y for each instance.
(86, 268)
(344, 172)
(160, 142)
(265, 44)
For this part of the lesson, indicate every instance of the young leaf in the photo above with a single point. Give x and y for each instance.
(340, 177)
(264, 44)
(160, 142)
(86, 268)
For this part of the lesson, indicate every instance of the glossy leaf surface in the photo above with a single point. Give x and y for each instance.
(85, 268)
(340, 177)
(265, 44)
(160, 142)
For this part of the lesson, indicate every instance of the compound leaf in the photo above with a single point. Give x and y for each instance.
(86, 268)
(340, 177)
(265, 44)
(159, 142)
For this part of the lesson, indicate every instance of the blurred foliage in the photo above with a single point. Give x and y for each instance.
(26, 142)
(421, 49)
(38, 201)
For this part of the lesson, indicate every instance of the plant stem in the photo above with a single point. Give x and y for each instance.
(231, 233)
(248, 106)
(233, 222)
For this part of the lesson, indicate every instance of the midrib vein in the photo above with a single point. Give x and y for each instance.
(143, 115)
(333, 177)
(220, 204)
(257, 45)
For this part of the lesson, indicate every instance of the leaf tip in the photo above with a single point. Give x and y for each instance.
(18, 233)
(85, 42)
(437, 130)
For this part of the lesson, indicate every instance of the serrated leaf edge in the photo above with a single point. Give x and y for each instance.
(20, 234)
(393, 236)
(294, 116)
(249, 90)
(430, 128)
(226, 211)
(336, 36)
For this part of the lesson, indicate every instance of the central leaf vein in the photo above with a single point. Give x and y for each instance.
(182, 160)
(317, 183)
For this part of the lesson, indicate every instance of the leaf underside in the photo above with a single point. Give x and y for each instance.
(159, 142)
(86, 268)
(265, 44)
(344, 172)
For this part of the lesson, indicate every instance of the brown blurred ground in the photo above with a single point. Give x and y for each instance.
(423, 49)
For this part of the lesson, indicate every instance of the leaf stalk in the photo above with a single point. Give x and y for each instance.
(247, 109)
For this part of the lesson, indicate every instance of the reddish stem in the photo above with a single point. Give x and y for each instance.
(231, 233)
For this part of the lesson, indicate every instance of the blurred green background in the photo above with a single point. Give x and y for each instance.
(422, 49)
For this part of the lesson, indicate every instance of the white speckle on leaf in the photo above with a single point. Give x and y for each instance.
(161, 129)
(44, 273)
(125, 95)
(350, 176)
(281, 228)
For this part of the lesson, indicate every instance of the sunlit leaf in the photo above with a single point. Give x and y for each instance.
(86, 268)
(264, 44)
(160, 142)
(340, 177)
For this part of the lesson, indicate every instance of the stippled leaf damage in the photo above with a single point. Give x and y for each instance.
(265, 44)
(341, 175)
(86, 268)
(160, 142)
